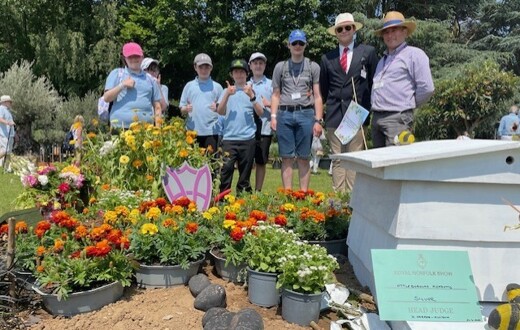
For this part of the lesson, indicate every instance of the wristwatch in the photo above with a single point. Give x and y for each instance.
(319, 121)
(253, 99)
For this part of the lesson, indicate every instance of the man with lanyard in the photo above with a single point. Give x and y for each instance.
(348, 63)
(296, 109)
(199, 102)
(402, 81)
(263, 91)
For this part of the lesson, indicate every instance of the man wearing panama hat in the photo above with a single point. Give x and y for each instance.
(402, 81)
(340, 67)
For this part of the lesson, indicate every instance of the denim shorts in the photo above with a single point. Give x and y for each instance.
(294, 132)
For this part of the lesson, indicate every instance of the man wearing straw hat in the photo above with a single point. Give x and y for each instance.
(403, 81)
(346, 74)
(6, 127)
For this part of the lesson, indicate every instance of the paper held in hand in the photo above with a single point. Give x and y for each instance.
(351, 122)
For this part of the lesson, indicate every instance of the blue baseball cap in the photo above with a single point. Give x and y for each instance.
(297, 35)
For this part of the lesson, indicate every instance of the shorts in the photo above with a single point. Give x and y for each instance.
(294, 130)
(262, 149)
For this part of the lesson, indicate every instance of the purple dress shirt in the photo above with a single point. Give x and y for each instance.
(402, 81)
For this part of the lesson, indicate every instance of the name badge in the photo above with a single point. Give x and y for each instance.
(377, 84)
(363, 73)
(296, 96)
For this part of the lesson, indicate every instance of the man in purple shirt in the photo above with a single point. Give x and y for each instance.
(402, 82)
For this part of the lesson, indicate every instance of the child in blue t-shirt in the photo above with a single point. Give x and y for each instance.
(237, 104)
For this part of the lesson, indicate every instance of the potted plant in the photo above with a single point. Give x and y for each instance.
(265, 247)
(305, 269)
(169, 241)
(78, 269)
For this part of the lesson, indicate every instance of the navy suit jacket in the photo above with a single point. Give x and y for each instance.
(336, 85)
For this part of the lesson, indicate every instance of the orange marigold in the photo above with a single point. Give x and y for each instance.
(20, 227)
(58, 245)
(40, 251)
(80, 232)
(192, 227)
(40, 269)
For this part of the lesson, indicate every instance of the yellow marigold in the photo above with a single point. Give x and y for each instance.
(134, 216)
(230, 198)
(206, 215)
(177, 209)
(167, 128)
(95, 122)
(153, 213)
(183, 153)
(71, 169)
(122, 210)
(137, 163)
(56, 205)
(156, 131)
(150, 159)
(189, 140)
(192, 134)
(40, 251)
(135, 127)
(202, 151)
(110, 217)
(156, 143)
(85, 210)
(214, 210)
(149, 229)
(192, 207)
(229, 224)
(124, 159)
(130, 140)
(288, 207)
(91, 135)
(147, 145)
(177, 124)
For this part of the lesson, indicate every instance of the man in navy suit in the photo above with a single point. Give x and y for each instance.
(339, 67)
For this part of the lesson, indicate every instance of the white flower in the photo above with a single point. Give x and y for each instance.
(43, 179)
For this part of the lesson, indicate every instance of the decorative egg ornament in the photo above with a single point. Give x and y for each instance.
(403, 138)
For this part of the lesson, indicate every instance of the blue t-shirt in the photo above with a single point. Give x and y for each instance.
(201, 94)
(239, 123)
(133, 101)
(6, 129)
(263, 88)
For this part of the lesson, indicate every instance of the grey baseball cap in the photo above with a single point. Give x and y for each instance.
(202, 58)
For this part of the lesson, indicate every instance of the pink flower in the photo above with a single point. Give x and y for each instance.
(30, 181)
(64, 187)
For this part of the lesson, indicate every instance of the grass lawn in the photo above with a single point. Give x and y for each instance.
(11, 186)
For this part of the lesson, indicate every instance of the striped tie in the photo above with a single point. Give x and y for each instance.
(343, 59)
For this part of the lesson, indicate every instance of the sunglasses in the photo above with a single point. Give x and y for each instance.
(347, 28)
(298, 43)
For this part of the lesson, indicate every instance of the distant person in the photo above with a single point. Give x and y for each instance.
(7, 130)
(296, 109)
(402, 82)
(263, 89)
(77, 136)
(151, 66)
(509, 124)
(346, 64)
(199, 103)
(136, 96)
(238, 104)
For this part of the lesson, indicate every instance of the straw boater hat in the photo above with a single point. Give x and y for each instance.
(342, 20)
(395, 18)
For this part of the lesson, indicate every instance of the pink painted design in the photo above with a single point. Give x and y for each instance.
(190, 182)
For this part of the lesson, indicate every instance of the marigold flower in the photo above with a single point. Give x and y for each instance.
(189, 139)
(206, 215)
(40, 251)
(4, 229)
(287, 207)
(228, 223)
(41, 228)
(230, 198)
(153, 213)
(161, 202)
(91, 135)
(280, 220)
(258, 215)
(182, 201)
(192, 227)
(40, 269)
(110, 217)
(149, 177)
(20, 227)
(105, 187)
(122, 210)
(170, 223)
(149, 229)
(134, 216)
(183, 153)
(101, 249)
(237, 234)
(58, 245)
(147, 145)
(124, 159)
(95, 122)
(80, 232)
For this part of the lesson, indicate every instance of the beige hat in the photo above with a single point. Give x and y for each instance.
(201, 59)
(342, 20)
(257, 55)
(5, 98)
(395, 18)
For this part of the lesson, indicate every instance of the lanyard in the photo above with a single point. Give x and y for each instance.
(385, 67)
(296, 81)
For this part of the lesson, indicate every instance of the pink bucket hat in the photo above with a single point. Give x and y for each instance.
(131, 48)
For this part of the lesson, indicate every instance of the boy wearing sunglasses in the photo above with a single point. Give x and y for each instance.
(348, 63)
(296, 109)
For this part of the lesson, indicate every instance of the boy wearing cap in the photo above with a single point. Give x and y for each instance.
(151, 66)
(339, 68)
(238, 104)
(199, 103)
(296, 109)
(263, 91)
(402, 82)
(6, 127)
(135, 95)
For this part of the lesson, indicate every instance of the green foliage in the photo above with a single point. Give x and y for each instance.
(465, 101)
